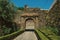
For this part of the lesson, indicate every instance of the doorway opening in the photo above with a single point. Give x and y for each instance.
(30, 24)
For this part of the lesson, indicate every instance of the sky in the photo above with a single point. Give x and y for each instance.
(42, 4)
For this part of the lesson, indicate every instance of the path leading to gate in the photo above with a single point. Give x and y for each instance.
(27, 35)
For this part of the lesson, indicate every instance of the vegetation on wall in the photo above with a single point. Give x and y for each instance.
(53, 18)
(20, 8)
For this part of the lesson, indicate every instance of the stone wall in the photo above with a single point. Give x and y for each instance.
(46, 18)
(54, 15)
(42, 18)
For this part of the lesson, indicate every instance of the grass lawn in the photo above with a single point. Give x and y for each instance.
(43, 37)
(49, 34)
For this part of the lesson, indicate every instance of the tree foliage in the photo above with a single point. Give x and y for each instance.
(7, 11)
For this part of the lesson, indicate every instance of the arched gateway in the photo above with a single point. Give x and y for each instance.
(30, 24)
(29, 20)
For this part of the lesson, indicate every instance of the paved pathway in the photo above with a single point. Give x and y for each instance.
(28, 35)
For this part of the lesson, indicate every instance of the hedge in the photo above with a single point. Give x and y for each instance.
(12, 35)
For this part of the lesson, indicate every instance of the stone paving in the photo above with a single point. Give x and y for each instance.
(28, 35)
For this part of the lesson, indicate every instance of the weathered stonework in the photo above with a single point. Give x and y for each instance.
(54, 14)
(40, 17)
(27, 16)
(37, 15)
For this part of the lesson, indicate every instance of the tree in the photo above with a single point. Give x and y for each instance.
(7, 11)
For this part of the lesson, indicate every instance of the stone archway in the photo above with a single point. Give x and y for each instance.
(29, 17)
(30, 24)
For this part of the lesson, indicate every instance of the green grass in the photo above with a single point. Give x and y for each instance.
(54, 37)
(49, 33)
(42, 36)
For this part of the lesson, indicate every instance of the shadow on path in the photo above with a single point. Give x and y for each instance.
(34, 32)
